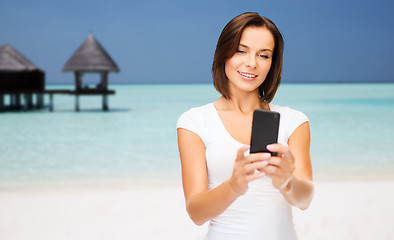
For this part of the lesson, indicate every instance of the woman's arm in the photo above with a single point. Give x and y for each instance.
(201, 204)
(291, 171)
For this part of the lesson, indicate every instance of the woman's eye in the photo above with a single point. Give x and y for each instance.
(240, 51)
(264, 56)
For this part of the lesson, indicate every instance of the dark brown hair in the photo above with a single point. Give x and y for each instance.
(228, 44)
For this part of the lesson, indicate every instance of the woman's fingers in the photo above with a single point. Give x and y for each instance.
(255, 176)
(241, 153)
(251, 167)
(272, 170)
(281, 163)
(256, 157)
(283, 151)
(245, 169)
(250, 163)
(255, 162)
(280, 168)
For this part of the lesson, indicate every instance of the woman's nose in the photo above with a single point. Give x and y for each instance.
(251, 62)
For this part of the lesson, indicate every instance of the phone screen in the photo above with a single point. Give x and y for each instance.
(265, 130)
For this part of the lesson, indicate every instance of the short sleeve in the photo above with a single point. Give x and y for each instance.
(188, 120)
(296, 119)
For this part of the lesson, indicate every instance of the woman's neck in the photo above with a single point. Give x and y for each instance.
(242, 102)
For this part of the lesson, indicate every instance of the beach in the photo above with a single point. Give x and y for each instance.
(340, 210)
(116, 174)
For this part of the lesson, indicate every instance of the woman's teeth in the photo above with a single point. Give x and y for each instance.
(248, 75)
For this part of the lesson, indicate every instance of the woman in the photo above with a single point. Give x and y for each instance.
(245, 196)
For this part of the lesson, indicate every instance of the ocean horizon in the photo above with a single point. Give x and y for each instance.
(351, 128)
(355, 81)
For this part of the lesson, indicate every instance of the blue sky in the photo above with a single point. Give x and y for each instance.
(174, 41)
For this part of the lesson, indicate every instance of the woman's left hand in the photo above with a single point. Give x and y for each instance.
(280, 168)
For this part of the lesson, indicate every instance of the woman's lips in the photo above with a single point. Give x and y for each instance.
(248, 76)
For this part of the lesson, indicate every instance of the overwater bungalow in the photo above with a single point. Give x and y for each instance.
(19, 77)
(91, 58)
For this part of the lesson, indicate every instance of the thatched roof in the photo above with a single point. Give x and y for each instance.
(12, 60)
(91, 56)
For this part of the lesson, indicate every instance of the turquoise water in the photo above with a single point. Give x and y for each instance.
(352, 133)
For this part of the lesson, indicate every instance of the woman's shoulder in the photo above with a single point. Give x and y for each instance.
(197, 120)
(198, 111)
(286, 111)
(290, 116)
(195, 115)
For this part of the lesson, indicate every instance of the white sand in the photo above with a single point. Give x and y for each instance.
(349, 210)
(340, 210)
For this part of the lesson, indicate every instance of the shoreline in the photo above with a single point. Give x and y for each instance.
(151, 180)
(339, 210)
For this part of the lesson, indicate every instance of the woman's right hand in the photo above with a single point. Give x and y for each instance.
(246, 169)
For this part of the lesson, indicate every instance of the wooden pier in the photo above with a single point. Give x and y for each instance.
(23, 82)
(24, 99)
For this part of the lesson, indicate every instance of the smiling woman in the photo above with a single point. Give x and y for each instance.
(245, 196)
(268, 42)
(249, 66)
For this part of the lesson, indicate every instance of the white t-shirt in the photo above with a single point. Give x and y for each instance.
(262, 212)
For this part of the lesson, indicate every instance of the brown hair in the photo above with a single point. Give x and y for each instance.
(228, 44)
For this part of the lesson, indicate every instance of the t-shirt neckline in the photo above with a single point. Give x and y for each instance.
(224, 129)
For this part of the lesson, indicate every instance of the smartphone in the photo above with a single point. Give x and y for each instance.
(265, 128)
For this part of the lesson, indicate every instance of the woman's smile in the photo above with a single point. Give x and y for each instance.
(248, 76)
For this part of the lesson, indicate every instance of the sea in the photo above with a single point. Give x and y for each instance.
(352, 130)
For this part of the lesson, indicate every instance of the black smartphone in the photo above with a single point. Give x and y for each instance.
(265, 128)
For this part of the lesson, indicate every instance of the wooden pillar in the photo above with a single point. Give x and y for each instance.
(104, 80)
(25, 101)
(105, 102)
(51, 102)
(77, 102)
(1, 102)
(18, 100)
(39, 100)
(29, 100)
(12, 101)
(78, 81)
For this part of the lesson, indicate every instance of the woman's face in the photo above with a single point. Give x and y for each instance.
(249, 66)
